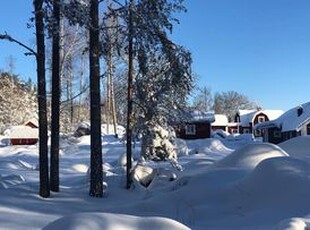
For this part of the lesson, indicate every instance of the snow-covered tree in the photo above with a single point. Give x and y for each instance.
(18, 101)
(163, 78)
(161, 92)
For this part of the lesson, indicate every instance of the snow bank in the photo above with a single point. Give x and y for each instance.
(250, 155)
(99, 221)
(297, 147)
(292, 224)
(209, 145)
(277, 190)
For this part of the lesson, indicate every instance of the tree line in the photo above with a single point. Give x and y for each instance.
(131, 40)
(226, 102)
(123, 46)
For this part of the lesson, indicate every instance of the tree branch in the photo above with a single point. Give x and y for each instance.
(10, 39)
(77, 95)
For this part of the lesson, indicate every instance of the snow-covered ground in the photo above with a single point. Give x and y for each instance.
(225, 184)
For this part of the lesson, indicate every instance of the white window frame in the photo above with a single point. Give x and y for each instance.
(261, 119)
(190, 129)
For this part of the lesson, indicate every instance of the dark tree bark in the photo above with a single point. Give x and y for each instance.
(54, 170)
(43, 149)
(129, 97)
(96, 174)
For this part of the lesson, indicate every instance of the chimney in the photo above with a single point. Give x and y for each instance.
(300, 110)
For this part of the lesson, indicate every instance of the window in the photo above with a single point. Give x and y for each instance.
(277, 134)
(190, 129)
(261, 119)
(246, 131)
(234, 130)
(258, 132)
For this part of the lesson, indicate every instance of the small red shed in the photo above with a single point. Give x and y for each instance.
(27, 134)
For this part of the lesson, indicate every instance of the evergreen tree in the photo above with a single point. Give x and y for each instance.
(163, 66)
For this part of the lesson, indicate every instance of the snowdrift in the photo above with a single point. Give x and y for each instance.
(99, 221)
(280, 182)
(297, 147)
(206, 146)
(249, 156)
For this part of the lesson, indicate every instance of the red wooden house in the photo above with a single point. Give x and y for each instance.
(245, 120)
(294, 122)
(197, 126)
(27, 134)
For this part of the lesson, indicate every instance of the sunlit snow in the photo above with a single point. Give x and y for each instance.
(231, 183)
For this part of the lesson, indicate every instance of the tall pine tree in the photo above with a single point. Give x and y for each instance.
(96, 174)
(43, 149)
(54, 170)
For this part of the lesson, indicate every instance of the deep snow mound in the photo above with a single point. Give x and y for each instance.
(209, 145)
(282, 183)
(109, 221)
(249, 156)
(297, 147)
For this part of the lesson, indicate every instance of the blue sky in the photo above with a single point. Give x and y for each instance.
(260, 48)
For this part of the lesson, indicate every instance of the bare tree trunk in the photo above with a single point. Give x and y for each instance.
(54, 170)
(113, 103)
(43, 149)
(71, 91)
(81, 86)
(96, 174)
(108, 100)
(129, 97)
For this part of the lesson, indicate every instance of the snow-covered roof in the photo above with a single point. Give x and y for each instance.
(272, 113)
(199, 116)
(247, 116)
(34, 121)
(242, 112)
(23, 131)
(290, 120)
(220, 120)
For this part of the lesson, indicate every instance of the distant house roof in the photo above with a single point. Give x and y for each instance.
(23, 131)
(247, 116)
(200, 116)
(272, 113)
(33, 123)
(292, 119)
(220, 120)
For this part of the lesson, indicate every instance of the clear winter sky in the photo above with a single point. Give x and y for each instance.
(260, 48)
